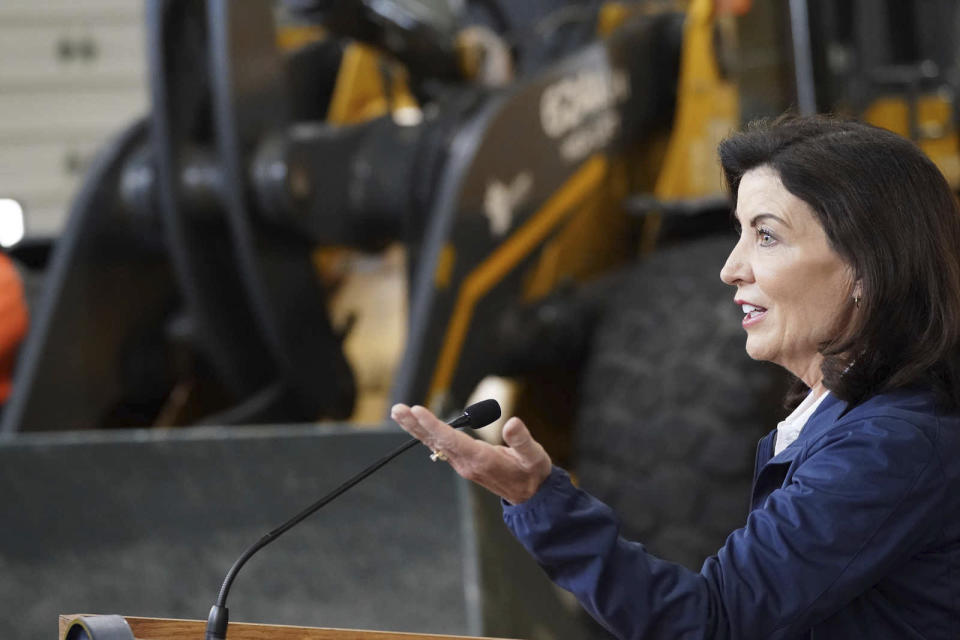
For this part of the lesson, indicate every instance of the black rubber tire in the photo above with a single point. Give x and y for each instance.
(671, 407)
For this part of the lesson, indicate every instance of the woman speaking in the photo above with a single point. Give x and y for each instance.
(847, 270)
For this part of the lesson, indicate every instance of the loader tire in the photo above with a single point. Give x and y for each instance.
(671, 407)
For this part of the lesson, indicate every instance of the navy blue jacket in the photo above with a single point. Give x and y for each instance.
(854, 532)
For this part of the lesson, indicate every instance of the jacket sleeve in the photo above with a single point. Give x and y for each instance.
(862, 500)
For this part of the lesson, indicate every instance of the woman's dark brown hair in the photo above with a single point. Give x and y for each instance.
(889, 213)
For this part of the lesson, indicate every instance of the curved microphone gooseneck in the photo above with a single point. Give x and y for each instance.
(475, 416)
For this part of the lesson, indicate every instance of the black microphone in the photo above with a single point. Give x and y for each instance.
(475, 416)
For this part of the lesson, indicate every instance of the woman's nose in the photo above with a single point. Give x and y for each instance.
(735, 269)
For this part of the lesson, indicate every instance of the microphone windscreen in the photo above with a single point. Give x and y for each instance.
(482, 413)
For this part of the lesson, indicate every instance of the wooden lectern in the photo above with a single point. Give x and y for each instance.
(170, 629)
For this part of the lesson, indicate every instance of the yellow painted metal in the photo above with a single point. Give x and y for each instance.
(506, 257)
(443, 275)
(708, 109)
(290, 37)
(612, 15)
(361, 93)
(595, 237)
(938, 136)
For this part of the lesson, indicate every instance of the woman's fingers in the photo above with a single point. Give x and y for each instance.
(442, 437)
(402, 415)
(517, 437)
(531, 457)
(433, 432)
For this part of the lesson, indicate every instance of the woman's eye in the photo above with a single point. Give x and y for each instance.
(766, 238)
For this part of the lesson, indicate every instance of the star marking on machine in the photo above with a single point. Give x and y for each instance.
(501, 200)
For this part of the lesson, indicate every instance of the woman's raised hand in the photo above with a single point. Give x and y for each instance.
(514, 472)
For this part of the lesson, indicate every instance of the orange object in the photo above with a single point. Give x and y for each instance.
(13, 322)
(732, 7)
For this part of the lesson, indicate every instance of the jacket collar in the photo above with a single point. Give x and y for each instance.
(830, 410)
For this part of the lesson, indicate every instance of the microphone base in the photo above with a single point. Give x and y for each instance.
(217, 623)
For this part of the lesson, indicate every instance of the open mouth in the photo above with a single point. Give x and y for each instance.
(752, 313)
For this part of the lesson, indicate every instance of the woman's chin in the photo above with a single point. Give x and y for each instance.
(756, 351)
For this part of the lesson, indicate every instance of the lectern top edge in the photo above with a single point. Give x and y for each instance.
(173, 629)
